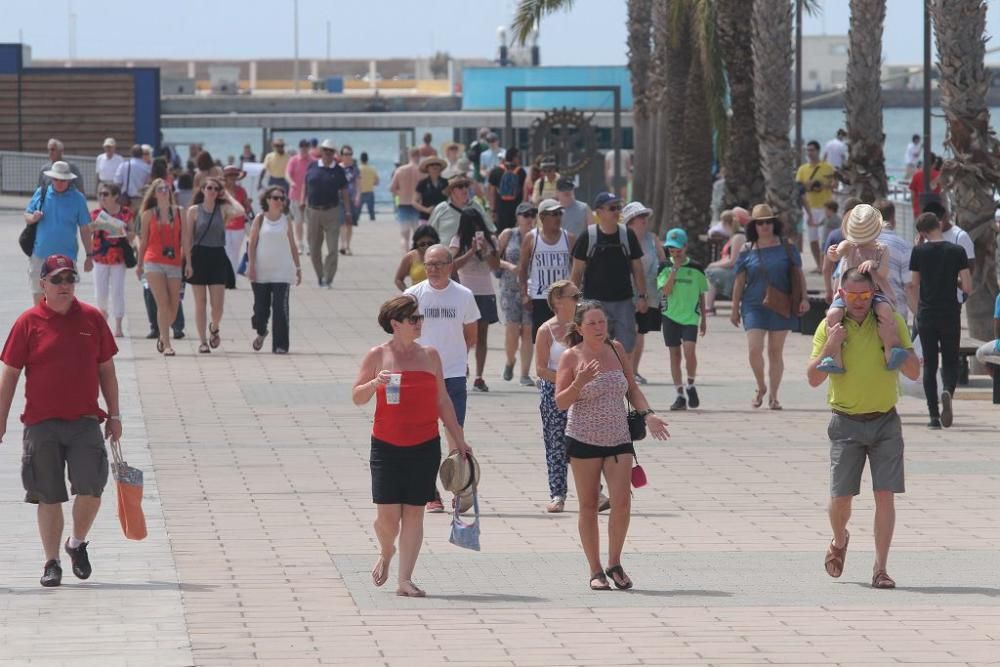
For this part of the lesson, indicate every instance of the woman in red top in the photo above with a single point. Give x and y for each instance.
(407, 380)
(236, 227)
(161, 255)
(109, 255)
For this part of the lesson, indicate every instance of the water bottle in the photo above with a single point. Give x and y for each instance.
(392, 389)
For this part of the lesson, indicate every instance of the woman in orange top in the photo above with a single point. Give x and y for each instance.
(407, 380)
(161, 255)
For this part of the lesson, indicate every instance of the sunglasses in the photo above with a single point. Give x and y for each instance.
(348, 154)
(162, 189)
(59, 280)
(104, 194)
(858, 297)
(615, 209)
(211, 188)
(436, 265)
(413, 319)
(530, 214)
(277, 197)
(765, 221)
(425, 244)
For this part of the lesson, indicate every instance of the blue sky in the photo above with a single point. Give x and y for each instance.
(592, 33)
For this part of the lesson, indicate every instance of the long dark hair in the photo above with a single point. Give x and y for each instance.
(573, 335)
(425, 231)
(470, 223)
(751, 230)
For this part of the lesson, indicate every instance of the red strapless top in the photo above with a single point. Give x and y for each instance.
(412, 421)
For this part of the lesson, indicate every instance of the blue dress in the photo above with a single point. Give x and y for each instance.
(773, 260)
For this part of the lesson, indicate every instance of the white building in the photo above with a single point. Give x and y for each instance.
(824, 62)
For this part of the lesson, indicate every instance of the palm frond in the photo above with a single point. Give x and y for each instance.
(812, 7)
(529, 14)
(714, 70)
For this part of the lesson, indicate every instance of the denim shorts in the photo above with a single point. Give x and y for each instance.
(407, 215)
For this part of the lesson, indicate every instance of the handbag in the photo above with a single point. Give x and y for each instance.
(128, 252)
(466, 535)
(636, 420)
(638, 474)
(27, 238)
(128, 481)
(774, 299)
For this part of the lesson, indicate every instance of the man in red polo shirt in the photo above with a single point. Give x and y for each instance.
(66, 350)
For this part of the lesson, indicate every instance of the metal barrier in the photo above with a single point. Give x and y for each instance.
(19, 172)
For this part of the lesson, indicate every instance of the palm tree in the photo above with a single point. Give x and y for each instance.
(974, 168)
(639, 64)
(863, 99)
(741, 158)
(772, 61)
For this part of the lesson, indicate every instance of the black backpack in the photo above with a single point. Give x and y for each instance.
(27, 238)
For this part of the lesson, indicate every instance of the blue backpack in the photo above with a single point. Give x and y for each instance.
(510, 184)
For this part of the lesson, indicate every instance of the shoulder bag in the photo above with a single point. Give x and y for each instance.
(465, 535)
(775, 300)
(636, 420)
(27, 238)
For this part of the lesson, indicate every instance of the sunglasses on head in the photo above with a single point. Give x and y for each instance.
(59, 279)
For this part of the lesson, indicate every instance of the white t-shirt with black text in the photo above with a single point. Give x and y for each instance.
(446, 312)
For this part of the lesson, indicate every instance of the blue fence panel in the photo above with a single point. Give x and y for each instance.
(483, 87)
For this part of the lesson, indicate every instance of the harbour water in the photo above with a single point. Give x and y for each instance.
(383, 147)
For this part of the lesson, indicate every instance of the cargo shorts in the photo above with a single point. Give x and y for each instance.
(55, 445)
(878, 440)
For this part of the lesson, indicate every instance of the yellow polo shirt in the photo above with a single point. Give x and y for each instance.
(275, 164)
(866, 386)
(824, 173)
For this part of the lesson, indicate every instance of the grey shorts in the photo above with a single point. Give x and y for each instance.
(52, 446)
(851, 442)
(621, 321)
(168, 270)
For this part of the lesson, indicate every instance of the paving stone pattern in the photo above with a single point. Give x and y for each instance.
(258, 500)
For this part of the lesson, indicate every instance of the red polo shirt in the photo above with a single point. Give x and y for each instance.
(59, 355)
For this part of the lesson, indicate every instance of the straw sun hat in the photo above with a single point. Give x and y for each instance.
(863, 224)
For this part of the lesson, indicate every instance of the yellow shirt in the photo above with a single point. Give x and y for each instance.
(275, 164)
(866, 386)
(824, 174)
(369, 177)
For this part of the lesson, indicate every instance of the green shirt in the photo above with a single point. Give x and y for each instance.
(682, 305)
(866, 386)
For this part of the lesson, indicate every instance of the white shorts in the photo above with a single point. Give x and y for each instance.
(817, 229)
(35, 274)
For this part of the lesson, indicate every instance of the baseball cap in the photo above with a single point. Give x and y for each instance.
(547, 205)
(526, 208)
(565, 185)
(605, 198)
(56, 264)
(676, 238)
(110, 141)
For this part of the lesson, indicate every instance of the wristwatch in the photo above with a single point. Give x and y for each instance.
(641, 296)
(647, 412)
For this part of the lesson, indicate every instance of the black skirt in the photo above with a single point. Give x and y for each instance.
(210, 266)
(581, 450)
(404, 475)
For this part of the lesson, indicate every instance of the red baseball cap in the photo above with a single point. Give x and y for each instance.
(57, 263)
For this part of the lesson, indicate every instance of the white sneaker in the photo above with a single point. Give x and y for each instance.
(556, 505)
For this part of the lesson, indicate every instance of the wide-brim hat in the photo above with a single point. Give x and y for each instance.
(459, 475)
(634, 210)
(426, 163)
(863, 224)
(60, 171)
(762, 212)
(233, 169)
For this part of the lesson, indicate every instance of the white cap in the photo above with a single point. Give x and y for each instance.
(110, 141)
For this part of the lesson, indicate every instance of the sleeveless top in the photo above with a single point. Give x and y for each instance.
(555, 351)
(418, 272)
(597, 417)
(165, 235)
(512, 253)
(412, 421)
(209, 230)
(549, 263)
(274, 262)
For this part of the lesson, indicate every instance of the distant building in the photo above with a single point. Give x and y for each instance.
(824, 62)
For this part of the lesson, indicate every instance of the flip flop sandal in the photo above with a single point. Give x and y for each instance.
(617, 574)
(415, 593)
(835, 558)
(758, 398)
(169, 352)
(214, 340)
(773, 404)
(204, 348)
(828, 365)
(258, 343)
(159, 346)
(882, 580)
(603, 585)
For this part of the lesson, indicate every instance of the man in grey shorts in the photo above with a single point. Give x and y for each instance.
(865, 423)
(67, 353)
(607, 261)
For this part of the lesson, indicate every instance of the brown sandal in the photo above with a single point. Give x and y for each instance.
(835, 558)
(758, 399)
(882, 580)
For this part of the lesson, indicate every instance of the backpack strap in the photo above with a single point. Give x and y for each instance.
(591, 240)
(623, 239)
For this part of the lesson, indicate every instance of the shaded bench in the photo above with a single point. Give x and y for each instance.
(967, 348)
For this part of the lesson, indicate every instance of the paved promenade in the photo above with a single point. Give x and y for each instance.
(259, 507)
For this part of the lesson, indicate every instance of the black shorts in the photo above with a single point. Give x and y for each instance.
(487, 304)
(581, 450)
(674, 333)
(404, 475)
(540, 314)
(648, 321)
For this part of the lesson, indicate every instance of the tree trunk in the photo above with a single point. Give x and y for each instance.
(772, 61)
(974, 169)
(639, 62)
(741, 159)
(863, 99)
(667, 61)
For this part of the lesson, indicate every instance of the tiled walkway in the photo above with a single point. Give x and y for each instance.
(258, 495)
